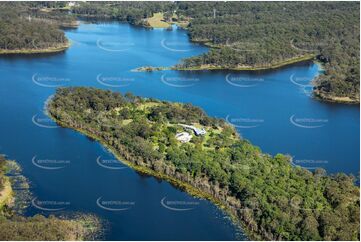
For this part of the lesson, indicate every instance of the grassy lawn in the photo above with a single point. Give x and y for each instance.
(6, 193)
(157, 21)
(147, 105)
(182, 24)
(126, 121)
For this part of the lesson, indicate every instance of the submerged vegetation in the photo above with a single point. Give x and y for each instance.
(271, 198)
(14, 226)
(49, 228)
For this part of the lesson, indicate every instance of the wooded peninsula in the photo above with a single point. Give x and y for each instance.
(241, 35)
(260, 35)
(267, 195)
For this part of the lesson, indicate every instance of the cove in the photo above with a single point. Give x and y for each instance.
(272, 109)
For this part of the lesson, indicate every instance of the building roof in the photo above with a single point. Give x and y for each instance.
(183, 137)
(196, 130)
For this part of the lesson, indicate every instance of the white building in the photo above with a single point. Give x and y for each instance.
(183, 137)
(196, 130)
(73, 4)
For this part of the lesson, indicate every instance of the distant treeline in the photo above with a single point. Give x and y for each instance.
(132, 12)
(272, 198)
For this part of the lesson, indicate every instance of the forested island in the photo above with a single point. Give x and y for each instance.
(14, 226)
(269, 197)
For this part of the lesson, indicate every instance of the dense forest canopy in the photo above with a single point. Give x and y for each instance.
(275, 200)
(20, 28)
(264, 33)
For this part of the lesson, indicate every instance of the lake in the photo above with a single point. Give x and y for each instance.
(70, 172)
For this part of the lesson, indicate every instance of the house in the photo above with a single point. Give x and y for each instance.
(183, 137)
(199, 131)
(196, 130)
(73, 4)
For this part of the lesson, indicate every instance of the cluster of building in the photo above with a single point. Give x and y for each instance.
(185, 137)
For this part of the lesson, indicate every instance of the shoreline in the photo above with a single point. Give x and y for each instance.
(84, 226)
(246, 68)
(71, 25)
(316, 94)
(334, 99)
(183, 186)
(250, 68)
(327, 98)
(54, 49)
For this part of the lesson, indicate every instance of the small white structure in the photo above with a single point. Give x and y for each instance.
(183, 137)
(73, 4)
(196, 130)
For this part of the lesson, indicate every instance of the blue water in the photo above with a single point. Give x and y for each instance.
(272, 109)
